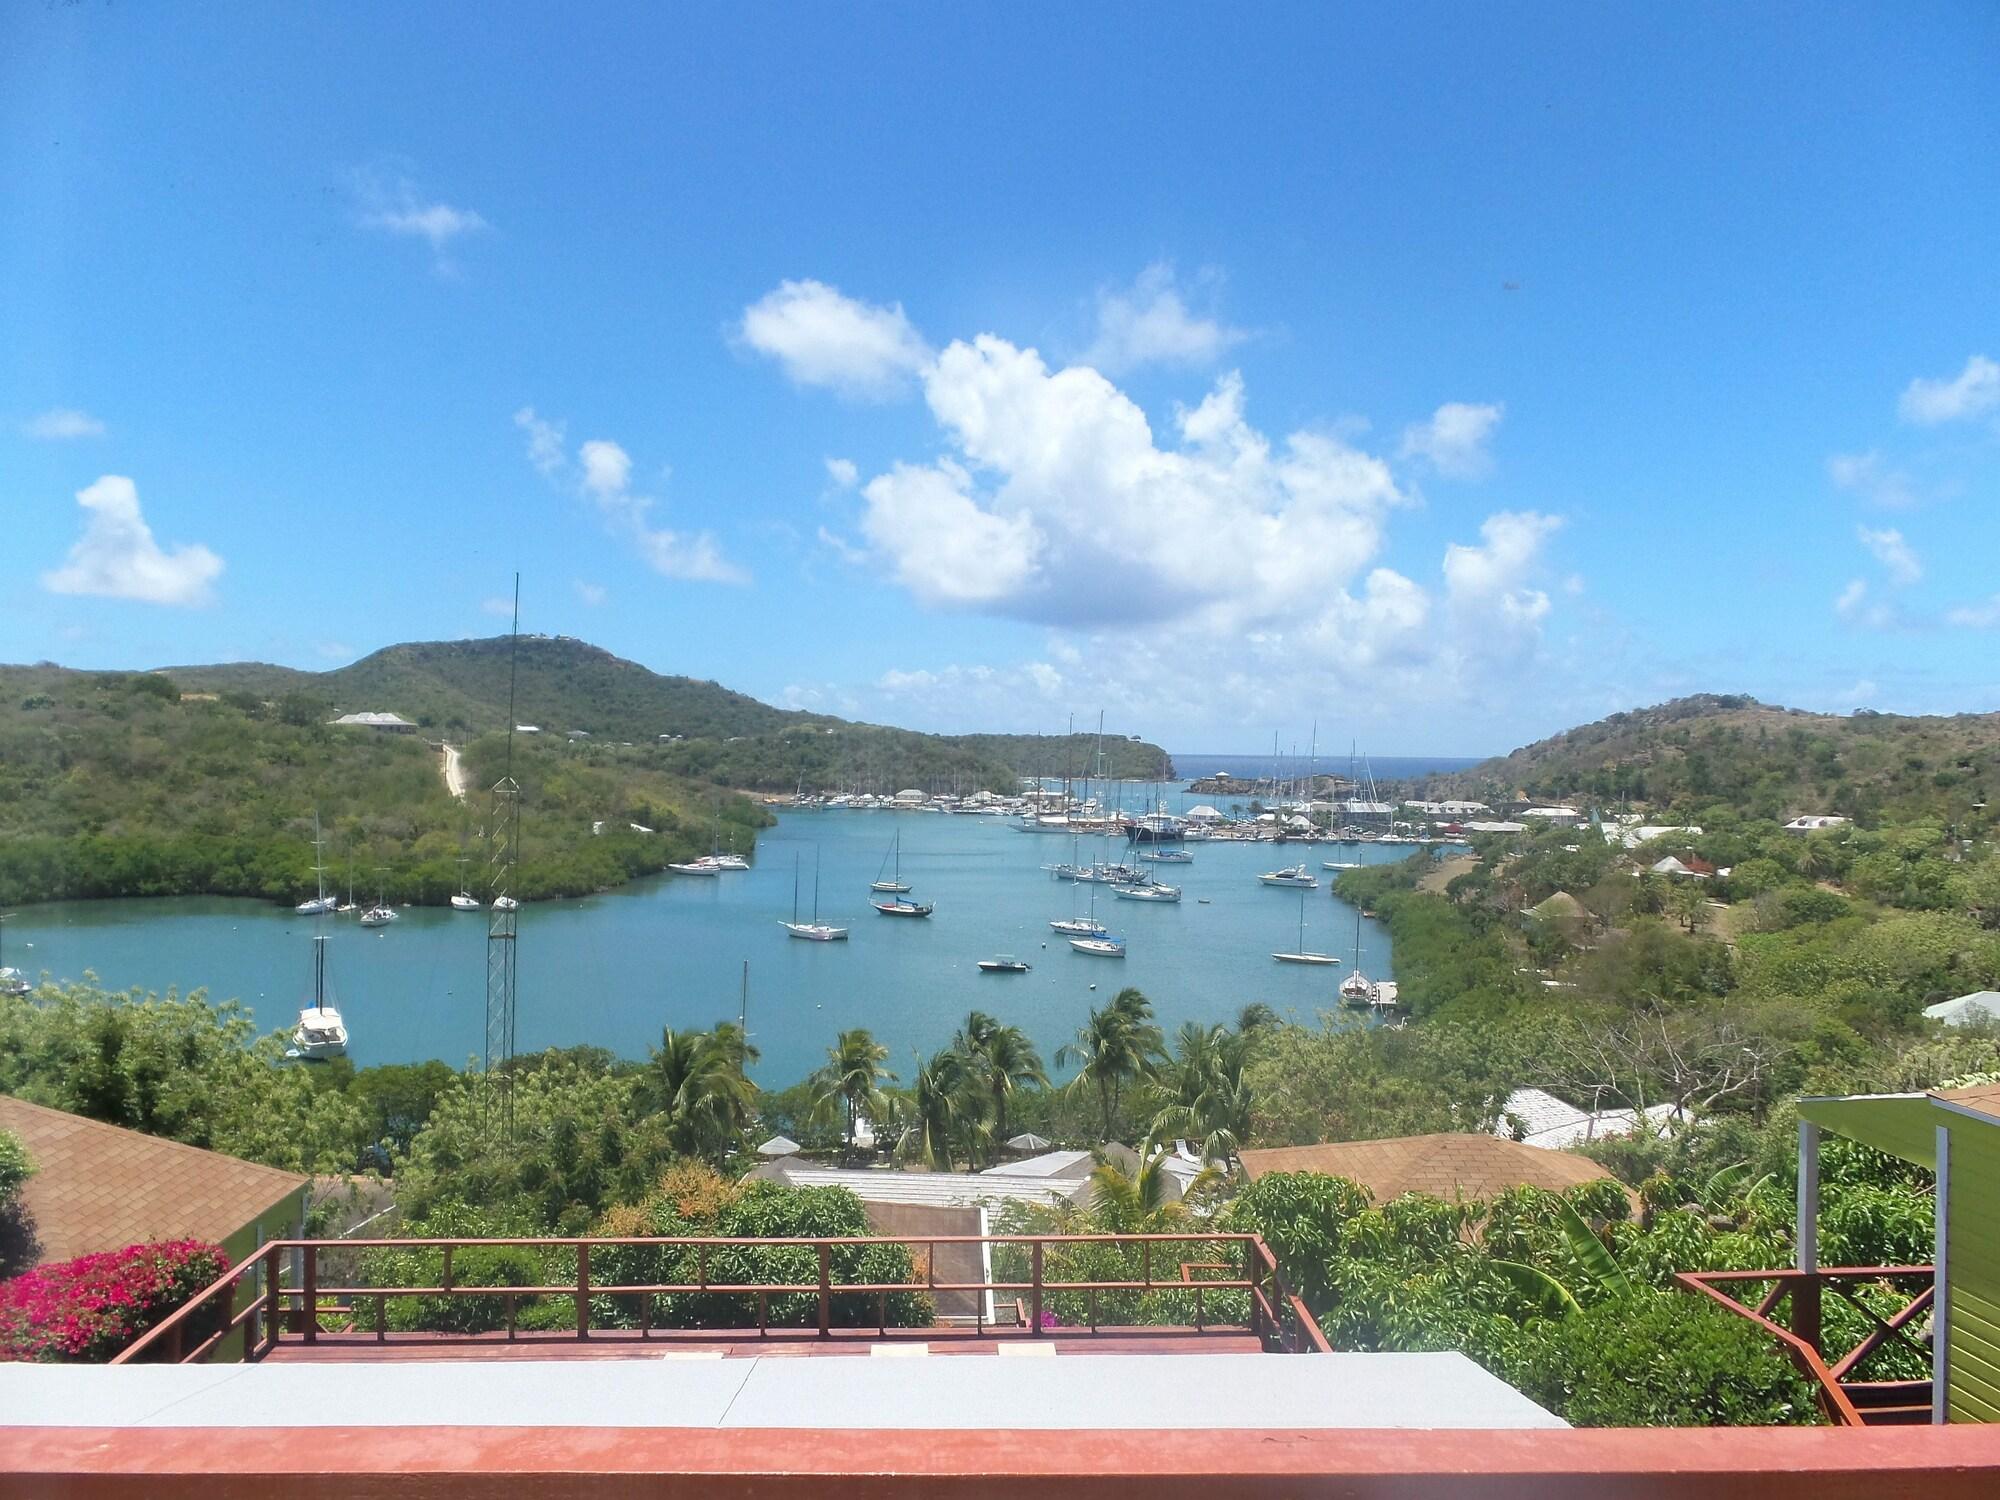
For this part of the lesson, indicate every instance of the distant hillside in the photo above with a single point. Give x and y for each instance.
(460, 688)
(1765, 761)
(115, 784)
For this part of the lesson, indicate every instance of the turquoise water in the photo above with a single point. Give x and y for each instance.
(611, 970)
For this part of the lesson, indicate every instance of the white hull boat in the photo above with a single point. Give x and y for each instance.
(1305, 958)
(815, 932)
(1296, 878)
(377, 916)
(1104, 947)
(465, 901)
(1167, 893)
(695, 867)
(1080, 927)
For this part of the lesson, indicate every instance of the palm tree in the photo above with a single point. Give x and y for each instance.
(1256, 1016)
(1137, 1202)
(1117, 1045)
(1202, 1097)
(943, 1113)
(697, 1080)
(852, 1079)
(1004, 1059)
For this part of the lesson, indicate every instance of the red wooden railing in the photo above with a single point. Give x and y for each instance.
(1276, 1313)
(1798, 1298)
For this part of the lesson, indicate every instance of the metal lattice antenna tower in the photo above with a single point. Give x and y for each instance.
(504, 823)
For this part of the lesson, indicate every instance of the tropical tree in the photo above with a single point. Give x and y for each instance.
(1201, 1096)
(1141, 1201)
(943, 1117)
(1688, 902)
(696, 1081)
(1003, 1059)
(851, 1081)
(1117, 1046)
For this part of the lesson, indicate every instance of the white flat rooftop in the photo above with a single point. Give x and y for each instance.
(1075, 1392)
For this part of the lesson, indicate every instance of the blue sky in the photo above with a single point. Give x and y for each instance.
(1444, 377)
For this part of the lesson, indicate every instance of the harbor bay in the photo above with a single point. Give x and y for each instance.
(611, 970)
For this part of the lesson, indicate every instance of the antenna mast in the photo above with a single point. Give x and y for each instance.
(505, 821)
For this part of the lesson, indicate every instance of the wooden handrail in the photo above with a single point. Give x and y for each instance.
(1275, 1310)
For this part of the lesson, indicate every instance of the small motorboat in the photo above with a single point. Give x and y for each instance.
(1340, 864)
(901, 908)
(1100, 947)
(1147, 892)
(1002, 965)
(1080, 927)
(1298, 877)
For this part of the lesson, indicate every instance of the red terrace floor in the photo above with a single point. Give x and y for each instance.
(747, 1344)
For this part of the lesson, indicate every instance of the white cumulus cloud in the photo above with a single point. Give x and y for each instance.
(61, 424)
(117, 557)
(843, 472)
(601, 473)
(1454, 440)
(393, 204)
(1150, 323)
(820, 336)
(1973, 392)
(1895, 555)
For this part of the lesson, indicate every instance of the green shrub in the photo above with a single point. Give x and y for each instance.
(1659, 1359)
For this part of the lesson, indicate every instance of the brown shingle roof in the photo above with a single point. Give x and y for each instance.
(1983, 1098)
(1444, 1166)
(99, 1187)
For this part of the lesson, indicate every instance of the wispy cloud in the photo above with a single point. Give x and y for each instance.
(498, 605)
(395, 205)
(592, 594)
(1973, 392)
(601, 473)
(842, 472)
(61, 424)
(1869, 476)
(117, 557)
(1149, 322)
(1895, 555)
(1977, 616)
(1454, 440)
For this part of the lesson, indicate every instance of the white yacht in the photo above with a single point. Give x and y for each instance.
(1099, 947)
(1080, 927)
(505, 903)
(887, 883)
(1357, 990)
(1297, 877)
(1166, 856)
(696, 867)
(378, 915)
(465, 901)
(1169, 893)
(320, 905)
(814, 931)
(1302, 954)
(321, 1033)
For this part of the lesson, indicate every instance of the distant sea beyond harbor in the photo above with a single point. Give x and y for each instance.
(1385, 767)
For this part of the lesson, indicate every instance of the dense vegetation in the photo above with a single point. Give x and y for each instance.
(689, 728)
(1761, 761)
(115, 785)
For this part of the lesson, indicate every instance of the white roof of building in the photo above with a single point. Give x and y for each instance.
(1551, 812)
(1556, 1125)
(1205, 813)
(939, 1189)
(1981, 1005)
(1069, 1164)
(1807, 821)
(375, 721)
(1374, 809)
(1492, 827)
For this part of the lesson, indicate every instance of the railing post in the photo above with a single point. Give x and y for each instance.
(1806, 1290)
(1035, 1295)
(583, 1291)
(445, 1280)
(274, 1305)
(309, 1289)
(825, 1294)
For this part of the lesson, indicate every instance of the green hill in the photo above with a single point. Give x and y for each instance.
(1763, 761)
(698, 729)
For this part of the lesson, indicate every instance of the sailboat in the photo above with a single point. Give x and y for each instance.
(464, 900)
(320, 1033)
(320, 905)
(1357, 990)
(1302, 955)
(381, 914)
(814, 931)
(895, 885)
(12, 981)
(1081, 927)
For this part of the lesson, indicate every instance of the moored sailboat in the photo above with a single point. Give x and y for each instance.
(895, 885)
(814, 931)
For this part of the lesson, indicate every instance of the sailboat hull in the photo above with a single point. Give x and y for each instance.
(889, 887)
(1305, 958)
(815, 932)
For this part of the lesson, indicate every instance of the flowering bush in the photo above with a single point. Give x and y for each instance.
(86, 1310)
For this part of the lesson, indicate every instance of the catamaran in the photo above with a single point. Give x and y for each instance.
(1297, 876)
(1302, 954)
(814, 931)
(320, 905)
(320, 1033)
(895, 885)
